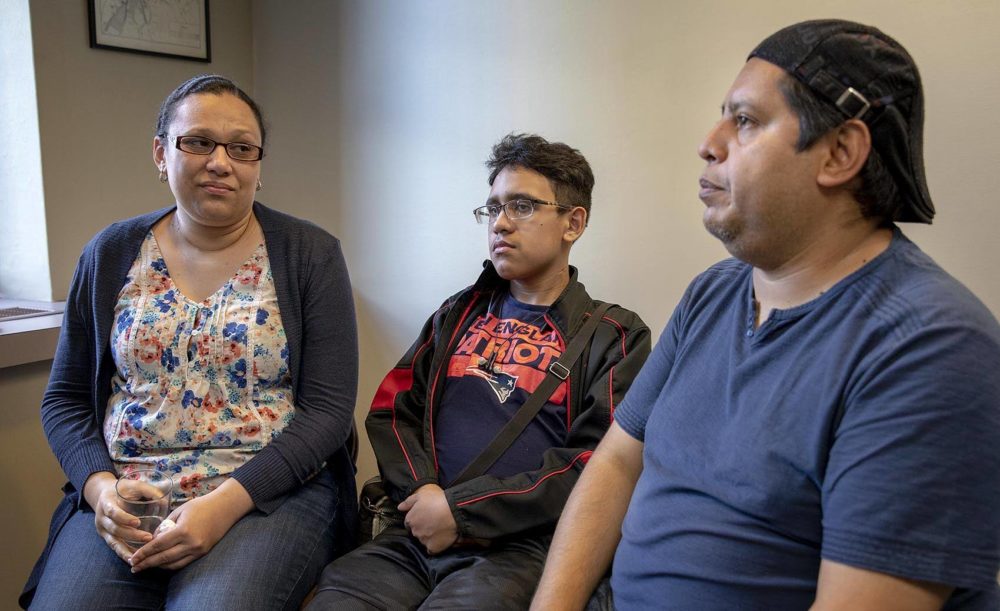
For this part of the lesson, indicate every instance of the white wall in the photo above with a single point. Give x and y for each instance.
(383, 112)
(24, 256)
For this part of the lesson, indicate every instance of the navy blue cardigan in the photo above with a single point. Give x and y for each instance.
(317, 310)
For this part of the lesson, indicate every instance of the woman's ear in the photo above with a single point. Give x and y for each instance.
(159, 153)
(848, 146)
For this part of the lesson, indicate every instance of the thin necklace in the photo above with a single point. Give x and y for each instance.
(176, 226)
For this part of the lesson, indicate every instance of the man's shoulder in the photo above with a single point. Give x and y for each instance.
(720, 281)
(912, 287)
(724, 272)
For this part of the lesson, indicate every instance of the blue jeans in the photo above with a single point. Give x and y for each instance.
(263, 562)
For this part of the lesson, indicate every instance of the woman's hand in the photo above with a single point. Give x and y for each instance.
(201, 523)
(113, 523)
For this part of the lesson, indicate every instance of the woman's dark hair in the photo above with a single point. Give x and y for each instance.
(564, 166)
(877, 194)
(205, 83)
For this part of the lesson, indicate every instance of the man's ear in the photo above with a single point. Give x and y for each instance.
(577, 224)
(848, 146)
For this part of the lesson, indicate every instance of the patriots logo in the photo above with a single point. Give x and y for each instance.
(501, 382)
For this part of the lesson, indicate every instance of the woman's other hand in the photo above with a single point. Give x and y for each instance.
(201, 523)
(113, 523)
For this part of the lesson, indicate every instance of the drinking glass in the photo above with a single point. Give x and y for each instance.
(145, 493)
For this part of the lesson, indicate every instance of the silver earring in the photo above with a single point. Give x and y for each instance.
(163, 175)
(260, 185)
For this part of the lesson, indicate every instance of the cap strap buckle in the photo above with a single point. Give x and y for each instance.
(852, 103)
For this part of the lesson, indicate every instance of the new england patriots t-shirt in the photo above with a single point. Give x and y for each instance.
(500, 360)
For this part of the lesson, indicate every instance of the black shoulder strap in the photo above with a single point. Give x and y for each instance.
(558, 371)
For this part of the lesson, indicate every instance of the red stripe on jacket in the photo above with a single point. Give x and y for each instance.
(621, 333)
(582, 456)
(396, 381)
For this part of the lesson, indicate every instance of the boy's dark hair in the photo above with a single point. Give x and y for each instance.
(568, 171)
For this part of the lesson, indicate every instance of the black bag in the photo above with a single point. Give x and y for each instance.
(376, 511)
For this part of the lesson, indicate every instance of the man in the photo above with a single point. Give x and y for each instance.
(819, 422)
(480, 541)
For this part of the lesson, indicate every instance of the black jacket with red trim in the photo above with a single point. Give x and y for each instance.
(401, 421)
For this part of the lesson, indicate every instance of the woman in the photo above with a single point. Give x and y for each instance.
(214, 340)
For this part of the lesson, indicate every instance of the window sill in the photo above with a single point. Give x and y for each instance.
(29, 340)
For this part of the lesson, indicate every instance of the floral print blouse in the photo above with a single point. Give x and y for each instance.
(199, 388)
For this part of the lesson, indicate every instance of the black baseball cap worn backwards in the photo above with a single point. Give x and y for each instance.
(868, 76)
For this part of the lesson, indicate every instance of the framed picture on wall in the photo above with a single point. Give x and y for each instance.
(169, 28)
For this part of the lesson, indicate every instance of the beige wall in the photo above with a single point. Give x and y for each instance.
(96, 113)
(384, 111)
(30, 477)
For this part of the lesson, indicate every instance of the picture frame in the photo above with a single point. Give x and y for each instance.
(168, 28)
